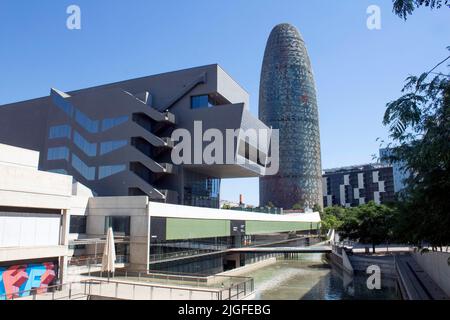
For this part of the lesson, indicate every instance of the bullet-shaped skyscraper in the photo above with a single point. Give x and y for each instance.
(288, 102)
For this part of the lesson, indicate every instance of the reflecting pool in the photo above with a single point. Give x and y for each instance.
(312, 277)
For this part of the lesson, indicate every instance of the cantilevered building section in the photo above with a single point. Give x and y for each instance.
(116, 138)
(288, 102)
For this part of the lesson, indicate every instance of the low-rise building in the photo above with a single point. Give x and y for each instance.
(51, 226)
(356, 185)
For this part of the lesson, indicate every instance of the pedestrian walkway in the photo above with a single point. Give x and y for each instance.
(415, 283)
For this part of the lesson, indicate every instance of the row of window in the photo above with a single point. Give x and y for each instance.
(110, 146)
(62, 153)
(93, 126)
(119, 224)
(90, 149)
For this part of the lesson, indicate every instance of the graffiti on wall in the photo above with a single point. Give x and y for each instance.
(20, 280)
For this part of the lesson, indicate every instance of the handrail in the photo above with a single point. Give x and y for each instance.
(235, 291)
(39, 291)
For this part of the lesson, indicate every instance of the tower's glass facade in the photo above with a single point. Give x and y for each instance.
(288, 103)
(201, 190)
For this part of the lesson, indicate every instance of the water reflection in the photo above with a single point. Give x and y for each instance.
(311, 277)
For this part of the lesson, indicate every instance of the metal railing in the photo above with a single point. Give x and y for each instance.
(94, 260)
(67, 291)
(181, 279)
(117, 289)
(178, 254)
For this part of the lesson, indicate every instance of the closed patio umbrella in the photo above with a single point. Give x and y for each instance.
(109, 253)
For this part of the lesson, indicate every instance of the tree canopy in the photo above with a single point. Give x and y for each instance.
(419, 125)
(404, 8)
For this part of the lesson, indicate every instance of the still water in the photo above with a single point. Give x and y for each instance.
(311, 277)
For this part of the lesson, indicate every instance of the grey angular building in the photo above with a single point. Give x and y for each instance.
(288, 102)
(116, 138)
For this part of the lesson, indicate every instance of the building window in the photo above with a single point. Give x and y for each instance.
(203, 101)
(60, 171)
(59, 153)
(62, 131)
(88, 148)
(201, 190)
(86, 122)
(119, 224)
(63, 104)
(77, 246)
(113, 122)
(77, 224)
(107, 171)
(87, 172)
(109, 146)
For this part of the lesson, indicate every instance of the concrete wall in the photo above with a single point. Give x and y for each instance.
(34, 209)
(27, 187)
(14, 156)
(136, 208)
(437, 266)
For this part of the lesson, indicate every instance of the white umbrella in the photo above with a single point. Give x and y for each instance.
(109, 253)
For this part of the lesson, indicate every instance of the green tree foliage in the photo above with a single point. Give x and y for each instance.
(331, 218)
(317, 208)
(404, 8)
(297, 206)
(419, 125)
(369, 223)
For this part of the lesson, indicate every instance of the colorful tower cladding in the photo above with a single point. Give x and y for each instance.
(288, 102)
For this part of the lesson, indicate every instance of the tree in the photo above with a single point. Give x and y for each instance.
(331, 218)
(369, 223)
(404, 8)
(419, 123)
(337, 211)
(317, 208)
(297, 206)
(330, 222)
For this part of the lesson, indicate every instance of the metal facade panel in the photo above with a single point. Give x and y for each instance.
(196, 228)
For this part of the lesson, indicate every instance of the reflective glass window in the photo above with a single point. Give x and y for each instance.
(77, 224)
(109, 146)
(119, 224)
(60, 171)
(106, 171)
(198, 102)
(87, 172)
(88, 148)
(86, 122)
(113, 122)
(58, 153)
(63, 104)
(62, 131)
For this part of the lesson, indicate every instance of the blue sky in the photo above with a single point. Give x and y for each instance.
(357, 70)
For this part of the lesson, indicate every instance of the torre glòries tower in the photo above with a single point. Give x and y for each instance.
(288, 102)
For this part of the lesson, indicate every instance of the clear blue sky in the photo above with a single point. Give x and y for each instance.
(357, 70)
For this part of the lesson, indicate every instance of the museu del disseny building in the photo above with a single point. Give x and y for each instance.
(73, 164)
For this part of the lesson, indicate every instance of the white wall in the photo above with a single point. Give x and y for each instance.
(436, 265)
(230, 89)
(29, 230)
(27, 187)
(14, 156)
